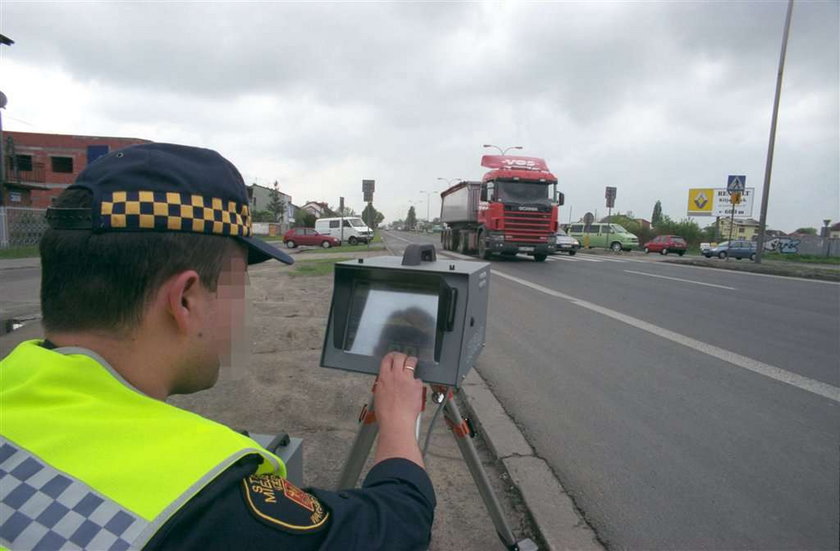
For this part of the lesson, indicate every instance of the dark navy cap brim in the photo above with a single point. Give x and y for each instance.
(260, 251)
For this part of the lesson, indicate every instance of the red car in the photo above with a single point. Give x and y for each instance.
(664, 244)
(308, 236)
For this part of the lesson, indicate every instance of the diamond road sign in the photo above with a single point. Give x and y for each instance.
(701, 201)
(736, 184)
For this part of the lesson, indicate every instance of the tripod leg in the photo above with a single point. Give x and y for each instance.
(461, 432)
(368, 428)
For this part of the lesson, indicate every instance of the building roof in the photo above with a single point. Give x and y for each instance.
(60, 140)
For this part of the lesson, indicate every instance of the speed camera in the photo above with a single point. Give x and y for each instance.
(433, 309)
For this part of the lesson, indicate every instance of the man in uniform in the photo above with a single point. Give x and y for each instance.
(143, 275)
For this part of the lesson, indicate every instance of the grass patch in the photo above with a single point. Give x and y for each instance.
(316, 267)
(350, 249)
(803, 258)
(20, 252)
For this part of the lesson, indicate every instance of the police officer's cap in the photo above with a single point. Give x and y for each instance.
(166, 188)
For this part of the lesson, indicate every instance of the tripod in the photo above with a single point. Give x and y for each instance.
(463, 432)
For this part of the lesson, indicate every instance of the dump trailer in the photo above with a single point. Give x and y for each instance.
(512, 210)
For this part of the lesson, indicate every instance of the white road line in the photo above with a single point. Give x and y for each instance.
(683, 280)
(725, 271)
(602, 259)
(804, 383)
(589, 259)
(562, 258)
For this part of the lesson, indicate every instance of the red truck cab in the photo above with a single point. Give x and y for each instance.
(512, 210)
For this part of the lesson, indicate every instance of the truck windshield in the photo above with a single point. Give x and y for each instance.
(519, 192)
(616, 228)
(357, 222)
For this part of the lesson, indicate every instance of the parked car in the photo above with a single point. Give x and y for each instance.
(350, 228)
(307, 236)
(565, 243)
(736, 249)
(612, 236)
(664, 244)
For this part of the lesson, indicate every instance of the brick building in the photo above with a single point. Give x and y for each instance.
(39, 166)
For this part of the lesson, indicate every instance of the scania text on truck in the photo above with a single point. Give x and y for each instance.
(512, 210)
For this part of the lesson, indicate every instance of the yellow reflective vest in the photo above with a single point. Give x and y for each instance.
(88, 460)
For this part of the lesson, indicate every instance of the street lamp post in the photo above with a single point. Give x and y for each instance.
(428, 195)
(504, 151)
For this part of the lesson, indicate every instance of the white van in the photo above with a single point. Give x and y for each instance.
(350, 229)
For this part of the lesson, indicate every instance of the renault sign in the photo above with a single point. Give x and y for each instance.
(717, 202)
(701, 201)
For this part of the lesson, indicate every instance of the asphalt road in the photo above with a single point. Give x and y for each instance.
(19, 289)
(683, 408)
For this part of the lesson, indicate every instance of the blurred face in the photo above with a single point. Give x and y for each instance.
(222, 328)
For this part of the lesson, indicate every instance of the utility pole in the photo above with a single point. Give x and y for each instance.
(765, 195)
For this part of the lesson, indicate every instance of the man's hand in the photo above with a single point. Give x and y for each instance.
(398, 401)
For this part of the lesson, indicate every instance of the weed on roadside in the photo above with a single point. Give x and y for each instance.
(316, 267)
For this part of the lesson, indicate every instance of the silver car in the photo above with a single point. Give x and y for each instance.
(566, 244)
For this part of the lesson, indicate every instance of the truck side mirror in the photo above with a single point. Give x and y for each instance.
(483, 193)
(561, 198)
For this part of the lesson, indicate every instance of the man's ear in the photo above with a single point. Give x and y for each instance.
(184, 295)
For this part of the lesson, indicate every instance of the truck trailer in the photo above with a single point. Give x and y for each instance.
(512, 210)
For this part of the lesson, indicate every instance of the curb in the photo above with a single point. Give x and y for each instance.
(555, 515)
(557, 519)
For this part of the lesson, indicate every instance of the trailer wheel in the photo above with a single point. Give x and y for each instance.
(464, 242)
(540, 257)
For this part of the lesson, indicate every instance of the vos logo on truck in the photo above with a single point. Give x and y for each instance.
(529, 209)
(519, 163)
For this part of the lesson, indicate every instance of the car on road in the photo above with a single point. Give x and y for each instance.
(349, 228)
(611, 236)
(736, 249)
(307, 236)
(564, 243)
(664, 244)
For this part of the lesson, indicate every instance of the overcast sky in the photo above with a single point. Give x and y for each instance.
(653, 98)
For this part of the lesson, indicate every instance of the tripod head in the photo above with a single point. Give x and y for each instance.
(434, 310)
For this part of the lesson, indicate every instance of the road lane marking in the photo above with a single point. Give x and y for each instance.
(584, 257)
(776, 373)
(563, 258)
(741, 272)
(683, 280)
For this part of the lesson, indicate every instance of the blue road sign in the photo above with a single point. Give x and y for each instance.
(736, 184)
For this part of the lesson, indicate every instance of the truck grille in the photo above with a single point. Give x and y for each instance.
(529, 227)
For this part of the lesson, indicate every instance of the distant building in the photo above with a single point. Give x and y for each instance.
(834, 230)
(318, 209)
(745, 228)
(259, 198)
(38, 167)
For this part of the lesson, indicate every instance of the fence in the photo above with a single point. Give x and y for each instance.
(803, 244)
(21, 227)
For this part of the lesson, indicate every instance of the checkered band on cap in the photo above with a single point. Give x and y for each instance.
(44, 508)
(173, 211)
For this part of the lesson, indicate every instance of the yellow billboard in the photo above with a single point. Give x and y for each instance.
(701, 201)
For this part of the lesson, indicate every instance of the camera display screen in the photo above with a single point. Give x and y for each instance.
(385, 318)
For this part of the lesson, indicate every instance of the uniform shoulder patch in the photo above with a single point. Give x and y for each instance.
(279, 503)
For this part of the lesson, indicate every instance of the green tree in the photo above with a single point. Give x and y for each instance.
(656, 217)
(304, 219)
(807, 231)
(371, 216)
(276, 205)
(686, 228)
(411, 219)
(263, 216)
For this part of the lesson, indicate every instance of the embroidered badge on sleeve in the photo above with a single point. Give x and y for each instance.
(279, 503)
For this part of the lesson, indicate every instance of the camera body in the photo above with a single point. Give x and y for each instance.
(434, 310)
